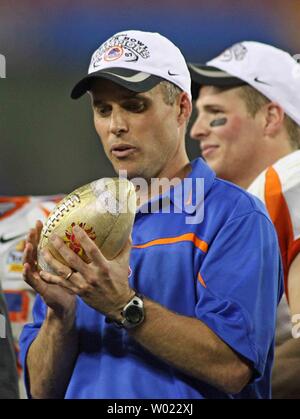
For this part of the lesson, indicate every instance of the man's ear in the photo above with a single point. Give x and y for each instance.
(274, 118)
(184, 108)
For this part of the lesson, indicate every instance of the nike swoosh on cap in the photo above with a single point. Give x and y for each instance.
(172, 74)
(261, 81)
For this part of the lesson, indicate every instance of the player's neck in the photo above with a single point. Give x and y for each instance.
(268, 158)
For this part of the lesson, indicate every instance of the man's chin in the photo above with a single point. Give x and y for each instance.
(124, 170)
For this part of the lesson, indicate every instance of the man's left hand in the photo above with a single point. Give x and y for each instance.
(102, 283)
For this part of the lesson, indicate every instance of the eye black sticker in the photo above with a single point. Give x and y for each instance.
(218, 122)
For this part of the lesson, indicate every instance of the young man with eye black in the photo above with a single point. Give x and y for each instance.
(248, 128)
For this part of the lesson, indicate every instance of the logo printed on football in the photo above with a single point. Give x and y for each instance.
(105, 209)
(70, 238)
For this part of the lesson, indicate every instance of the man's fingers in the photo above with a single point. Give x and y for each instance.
(38, 227)
(28, 255)
(58, 280)
(32, 278)
(59, 268)
(72, 260)
(31, 238)
(62, 272)
(91, 249)
(34, 234)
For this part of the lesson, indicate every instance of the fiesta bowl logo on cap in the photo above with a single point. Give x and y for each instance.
(237, 52)
(113, 53)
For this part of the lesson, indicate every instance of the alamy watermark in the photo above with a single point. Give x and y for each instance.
(296, 327)
(2, 67)
(2, 326)
(177, 196)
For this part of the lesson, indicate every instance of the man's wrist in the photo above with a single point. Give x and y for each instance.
(131, 314)
(116, 314)
(65, 319)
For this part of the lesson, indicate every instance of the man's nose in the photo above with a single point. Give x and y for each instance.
(118, 122)
(199, 129)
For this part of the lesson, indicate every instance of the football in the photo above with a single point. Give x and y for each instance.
(105, 209)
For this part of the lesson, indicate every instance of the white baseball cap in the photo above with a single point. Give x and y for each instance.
(138, 61)
(271, 71)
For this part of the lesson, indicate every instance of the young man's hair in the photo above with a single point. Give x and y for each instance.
(254, 101)
(170, 92)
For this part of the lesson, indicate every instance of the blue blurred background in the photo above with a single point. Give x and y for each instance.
(48, 144)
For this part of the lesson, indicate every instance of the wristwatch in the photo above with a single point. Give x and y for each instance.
(133, 313)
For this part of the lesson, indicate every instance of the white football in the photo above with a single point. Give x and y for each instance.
(105, 209)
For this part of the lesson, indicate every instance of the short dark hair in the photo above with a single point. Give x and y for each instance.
(170, 92)
(254, 101)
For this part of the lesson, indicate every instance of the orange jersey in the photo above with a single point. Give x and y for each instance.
(279, 188)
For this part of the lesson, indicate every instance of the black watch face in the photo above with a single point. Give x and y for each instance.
(133, 314)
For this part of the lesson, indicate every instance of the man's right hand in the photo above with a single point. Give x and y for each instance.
(57, 298)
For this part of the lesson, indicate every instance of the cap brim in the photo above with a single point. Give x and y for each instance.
(132, 80)
(205, 75)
